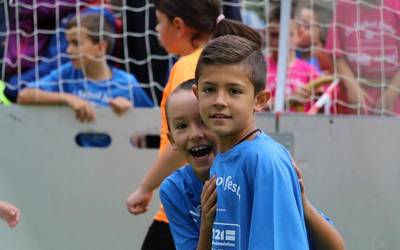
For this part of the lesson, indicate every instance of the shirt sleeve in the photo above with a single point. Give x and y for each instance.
(140, 98)
(182, 227)
(277, 214)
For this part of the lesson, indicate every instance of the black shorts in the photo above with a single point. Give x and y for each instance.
(158, 237)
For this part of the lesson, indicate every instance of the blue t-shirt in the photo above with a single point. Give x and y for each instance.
(67, 79)
(180, 195)
(258, 198)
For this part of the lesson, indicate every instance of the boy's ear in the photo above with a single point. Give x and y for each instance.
(261, 100)
(102, 45)
(195, 89)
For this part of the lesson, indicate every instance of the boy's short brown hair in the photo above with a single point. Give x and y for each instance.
(235, 50)
(98, 26)
(186, 86)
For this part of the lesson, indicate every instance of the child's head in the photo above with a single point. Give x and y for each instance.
(309, 33)
(230, 79)
(89, 39)
(193, 22)
(187, 132)
(273, 31)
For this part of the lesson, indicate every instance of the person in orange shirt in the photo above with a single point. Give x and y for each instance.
(184, 29)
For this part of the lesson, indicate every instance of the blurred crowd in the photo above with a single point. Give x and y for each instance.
(353, 43)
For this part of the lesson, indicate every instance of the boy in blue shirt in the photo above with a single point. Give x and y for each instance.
(190, 210)
(87, 80)
(189, 218)
(259, 199)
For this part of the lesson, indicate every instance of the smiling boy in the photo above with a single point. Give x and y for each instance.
(259, 199)
(190, 212)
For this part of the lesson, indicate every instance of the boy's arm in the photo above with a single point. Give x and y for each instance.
(167, 162)
(323, 235)
(208, 208)
(83, 110)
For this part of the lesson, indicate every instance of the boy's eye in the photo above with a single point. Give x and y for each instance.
(208, 89)
(180, 126)
(235, 91)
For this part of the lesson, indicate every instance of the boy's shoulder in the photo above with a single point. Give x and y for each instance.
(178, 177)
(264, 143)
(264, 147)
(122, 77)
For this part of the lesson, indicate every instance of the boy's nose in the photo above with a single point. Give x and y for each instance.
(220, 99)
(196, 133)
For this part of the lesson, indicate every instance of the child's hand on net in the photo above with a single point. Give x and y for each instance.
(208, 203)
(138, 202)
(9, 213)
(84, 111)
(120, 105)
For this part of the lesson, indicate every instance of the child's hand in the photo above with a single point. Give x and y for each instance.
(208, 203)
(83, 110)
(301, 95)
(9, 213)
(138, 202)
(389, 99)
(120, 105)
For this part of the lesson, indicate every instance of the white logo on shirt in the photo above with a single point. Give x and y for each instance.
(195, 213)
(228, 184)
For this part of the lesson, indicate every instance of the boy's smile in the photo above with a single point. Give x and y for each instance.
(227, 102)
(188, 132)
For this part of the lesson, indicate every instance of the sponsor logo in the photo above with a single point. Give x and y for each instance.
(225, 236)
(228, 184)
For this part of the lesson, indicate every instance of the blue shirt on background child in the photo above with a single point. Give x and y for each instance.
(67, 79)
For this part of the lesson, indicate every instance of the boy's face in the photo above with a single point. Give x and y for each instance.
(188, 133)
(81, 49)
(273, 37)
(308, 32)
(227, 100)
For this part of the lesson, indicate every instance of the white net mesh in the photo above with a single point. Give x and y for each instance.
(362, 36)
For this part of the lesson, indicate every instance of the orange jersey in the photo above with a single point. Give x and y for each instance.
(182, 70)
